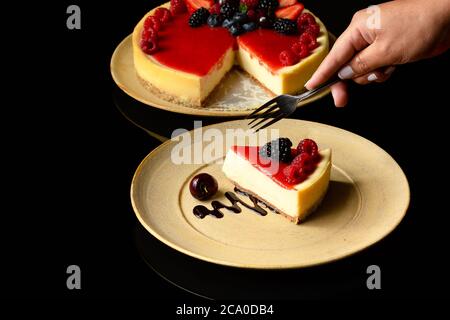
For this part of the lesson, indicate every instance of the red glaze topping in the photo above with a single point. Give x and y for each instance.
(266, 45)
(192, 50)
(275, 172)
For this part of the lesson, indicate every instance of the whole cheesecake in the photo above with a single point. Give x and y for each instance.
(182, 53)
(291, 182)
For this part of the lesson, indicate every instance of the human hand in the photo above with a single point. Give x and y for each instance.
(409, 30)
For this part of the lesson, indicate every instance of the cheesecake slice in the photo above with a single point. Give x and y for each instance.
(278, 184)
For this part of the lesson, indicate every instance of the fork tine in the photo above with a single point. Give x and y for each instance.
(267, 104)
(279, 117)
(272, 115)
(264, 114)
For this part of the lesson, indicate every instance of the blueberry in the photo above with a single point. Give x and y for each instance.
(214, 20)
(249, 26)
(235, 29)
(227, 23)
(265, 22)
(240, 17)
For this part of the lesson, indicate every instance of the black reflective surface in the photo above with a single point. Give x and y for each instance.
(76, 141)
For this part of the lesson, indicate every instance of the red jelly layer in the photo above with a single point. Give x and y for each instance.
(267, 45)
(192, 50)
(273, 170)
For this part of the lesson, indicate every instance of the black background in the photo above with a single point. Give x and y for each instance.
(71, 155)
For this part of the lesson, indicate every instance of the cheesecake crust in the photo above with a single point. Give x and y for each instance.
(168, 97)
(295, 220)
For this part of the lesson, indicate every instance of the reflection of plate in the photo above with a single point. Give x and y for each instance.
(368, 197)
(237, 95)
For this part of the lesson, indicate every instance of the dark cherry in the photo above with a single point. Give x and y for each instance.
(203, 186)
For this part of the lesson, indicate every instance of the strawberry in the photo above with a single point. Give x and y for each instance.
(193, 5)
(286, 3)
(291, 12)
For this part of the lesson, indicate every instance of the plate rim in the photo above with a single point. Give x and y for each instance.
(359, 249)
(189, 110)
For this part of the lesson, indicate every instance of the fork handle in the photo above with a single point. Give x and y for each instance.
(320, 88)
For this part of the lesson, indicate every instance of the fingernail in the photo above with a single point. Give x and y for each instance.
(346, 73)
(389, 70)
(307, 83)
(372, 77)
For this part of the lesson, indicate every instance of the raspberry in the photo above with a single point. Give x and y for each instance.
(252, 15)
(302, 160)
(251, 4)
(313, 29)
(288, 58)
(306, 18)
(149, 46)
(163, 15)
(215, 9)
(147, 34)
(153, 23)
(309, 147)
(177, 7)
(309, 40)
(291, 174)
(300, 49)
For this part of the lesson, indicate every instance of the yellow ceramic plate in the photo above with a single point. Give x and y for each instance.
(237, 95)
(367, 199)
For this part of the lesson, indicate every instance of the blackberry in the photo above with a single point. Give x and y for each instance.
(228, 10)
(268, 5)
(285, 26)
(279, 150)
(199, 17)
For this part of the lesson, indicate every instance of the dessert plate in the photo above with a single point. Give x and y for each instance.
(367, 198)
(237, 95)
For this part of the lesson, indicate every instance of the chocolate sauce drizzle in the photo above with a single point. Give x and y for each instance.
(201, 211)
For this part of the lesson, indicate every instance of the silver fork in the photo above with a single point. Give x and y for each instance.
(282, 106)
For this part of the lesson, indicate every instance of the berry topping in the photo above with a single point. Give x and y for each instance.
(291, 12)
(151, 22)
(305, 161)
(279, 150)
(150, 45)
(214, 20)
(292, 176)
(199, 17)
(163, 15)
(250, 26)
(309, 40)
(265, 22)
(250, 4)
(194, 5)
(285, 26)
(228, 10)
(215, 9)
(288, 58)
(236, 29)
(203, 186)
(309, 146)
(147, 34)
(286, 3)
(177, 7)
(252, 15)
(300, 49)
(268, 6)
(240, 17)
(313, 29)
